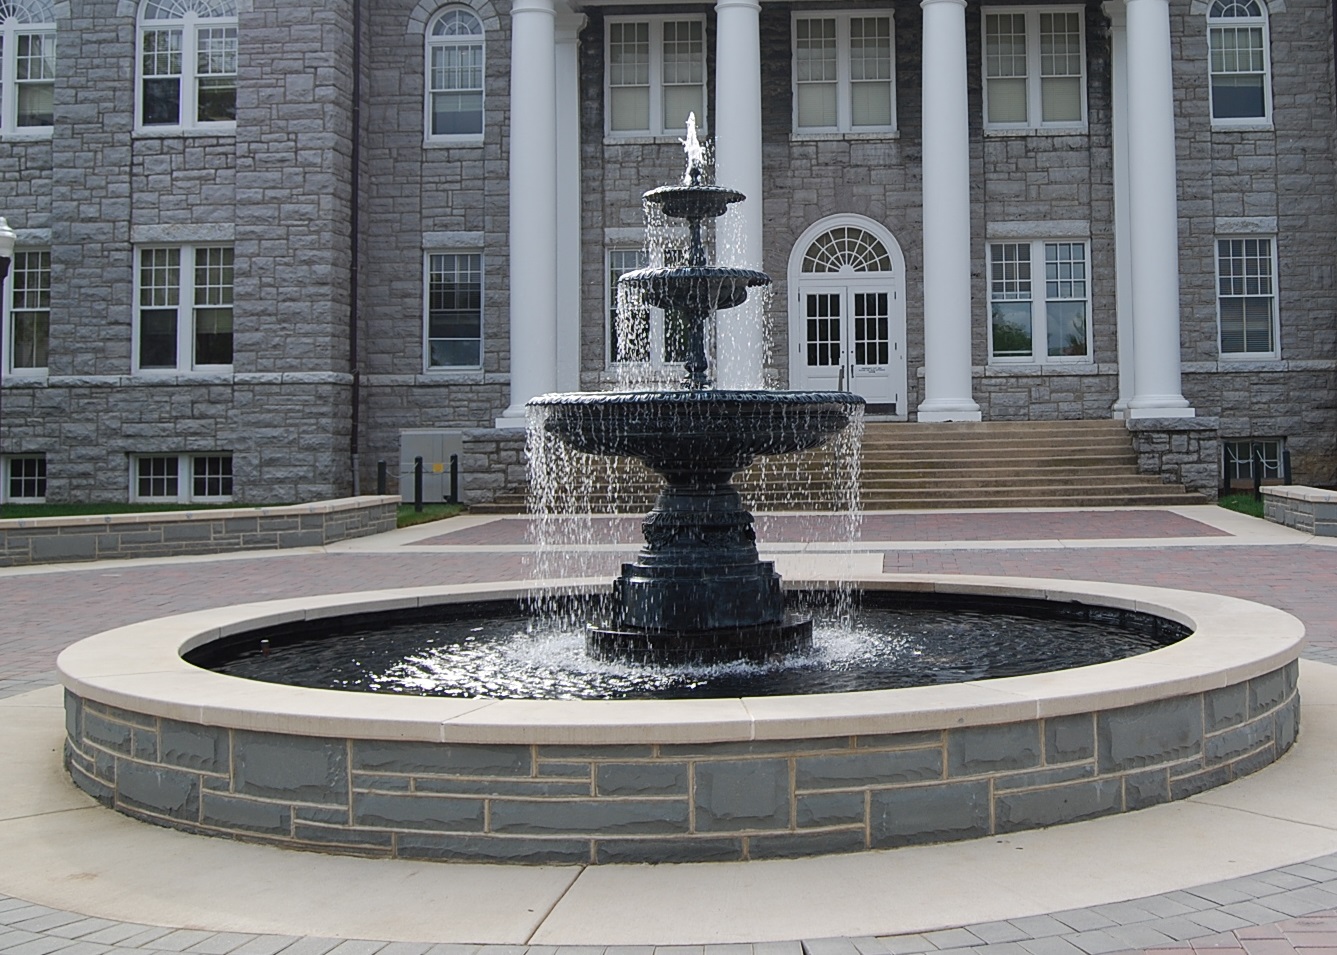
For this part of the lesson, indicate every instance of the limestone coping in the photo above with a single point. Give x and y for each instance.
(140, 668)
(95, 521)
(1300, 492)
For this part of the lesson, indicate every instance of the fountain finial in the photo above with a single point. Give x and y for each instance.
(696, 155)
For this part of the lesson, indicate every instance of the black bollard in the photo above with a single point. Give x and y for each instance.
(417, 483)
(454, 480)
(382, 477)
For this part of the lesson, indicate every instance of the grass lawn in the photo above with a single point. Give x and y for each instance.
(1243, 502)
(407, 516)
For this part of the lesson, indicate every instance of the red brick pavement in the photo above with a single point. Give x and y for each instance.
(981, 526)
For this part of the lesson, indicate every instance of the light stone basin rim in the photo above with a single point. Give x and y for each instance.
(139, 668)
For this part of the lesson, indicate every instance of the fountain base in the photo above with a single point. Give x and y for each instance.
(758, 644)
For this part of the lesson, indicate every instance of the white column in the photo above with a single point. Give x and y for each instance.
(947, 253)
(1123, 252)
(740, 339)
(533, 212)
(568, 202)
(1153, 215)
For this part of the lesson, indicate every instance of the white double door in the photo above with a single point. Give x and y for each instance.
(850, 337)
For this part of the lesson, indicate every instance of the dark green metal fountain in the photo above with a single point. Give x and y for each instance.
(698, 590)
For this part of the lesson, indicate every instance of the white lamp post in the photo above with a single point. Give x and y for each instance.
(7, 237)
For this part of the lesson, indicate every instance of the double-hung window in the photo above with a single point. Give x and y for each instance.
(181, 478)
(639, 334)
(184, 315)
(1039, 302)
(453, 328)
(1237, 44)
(1246, 298)
(27, 67)
(1034, 68)
(656, 75)
(188, 64)
(455, 76)
(28, 317)
(844, 73)
(24, 478)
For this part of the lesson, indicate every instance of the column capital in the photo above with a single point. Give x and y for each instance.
(1116, 11)
(533, 6)
(739, 4)
(927, 3)
(569, 25)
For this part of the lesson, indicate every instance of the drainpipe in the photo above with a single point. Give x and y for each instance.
(354, 251)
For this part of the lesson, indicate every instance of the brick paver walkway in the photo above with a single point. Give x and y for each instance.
(1281, 912)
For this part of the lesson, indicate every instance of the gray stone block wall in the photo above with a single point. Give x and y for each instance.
(686, 802)
(23, 543)
(282, 189)
(1184, 451)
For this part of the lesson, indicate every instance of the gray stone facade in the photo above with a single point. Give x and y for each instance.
(686, 802)
(332, 205)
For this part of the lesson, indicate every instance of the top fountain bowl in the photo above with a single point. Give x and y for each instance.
(697, 430)
(694, 201)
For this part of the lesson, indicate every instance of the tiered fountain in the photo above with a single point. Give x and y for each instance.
(698, 591)
(546, 777)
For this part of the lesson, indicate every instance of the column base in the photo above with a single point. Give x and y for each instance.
(1158, 406)
(948, 409)
(514, 418)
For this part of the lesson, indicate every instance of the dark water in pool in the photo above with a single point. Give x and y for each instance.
(503, 655)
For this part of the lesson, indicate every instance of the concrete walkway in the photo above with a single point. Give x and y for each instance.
(1250, 867)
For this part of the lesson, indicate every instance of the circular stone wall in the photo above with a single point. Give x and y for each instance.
(687, 780)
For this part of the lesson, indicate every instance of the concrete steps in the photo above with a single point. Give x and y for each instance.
(956, 464)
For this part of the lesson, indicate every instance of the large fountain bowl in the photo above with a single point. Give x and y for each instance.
(702, 430)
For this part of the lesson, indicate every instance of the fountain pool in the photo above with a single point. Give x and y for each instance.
(573, 781)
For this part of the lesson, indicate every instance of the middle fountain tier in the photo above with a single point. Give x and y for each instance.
(698, 591)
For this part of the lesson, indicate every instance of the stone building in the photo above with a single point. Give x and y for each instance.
(257, 239)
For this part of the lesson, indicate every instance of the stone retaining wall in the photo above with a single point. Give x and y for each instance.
(45, 540)
(1183, 451)
(674, 802)
(1307, 509)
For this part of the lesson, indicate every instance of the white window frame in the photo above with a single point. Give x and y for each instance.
(1039, 299)
(28, 19)
(656, 359)
(12, 289)
(7, 477)
(434, 43)
(185, 310)
(844, 74)
(1035, 122)
(185, 478)
(1275, 330)
(428, 367)
(1244, 22)
(656, 127)
(189, 24)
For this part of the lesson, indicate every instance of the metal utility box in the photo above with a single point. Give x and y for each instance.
(435, 448)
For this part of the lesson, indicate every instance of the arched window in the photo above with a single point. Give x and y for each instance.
(1238, 45)
(455, 75)
(27, 66)
(847, 249)
(188, 63)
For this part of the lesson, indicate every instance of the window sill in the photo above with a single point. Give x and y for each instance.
(1005, 132)
(1258, 126)
(464, 142)
(848, 137)
(38, 134)
(1005, 369)
(183, 132)
(643, 139)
